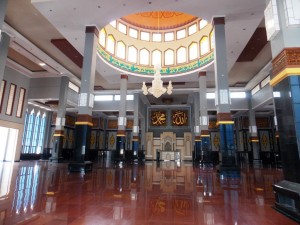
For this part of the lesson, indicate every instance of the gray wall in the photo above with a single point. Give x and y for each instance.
(44, 88)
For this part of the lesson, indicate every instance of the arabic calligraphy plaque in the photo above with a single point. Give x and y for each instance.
(180, 118)
(158, 118)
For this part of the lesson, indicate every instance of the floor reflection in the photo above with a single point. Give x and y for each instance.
(152, 193)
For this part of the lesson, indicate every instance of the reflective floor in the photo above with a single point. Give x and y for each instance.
(168, 193)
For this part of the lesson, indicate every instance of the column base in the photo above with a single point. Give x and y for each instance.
(287, 196)
(56, 159)
(86, 166)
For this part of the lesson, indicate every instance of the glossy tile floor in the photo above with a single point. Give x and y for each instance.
(168, 193)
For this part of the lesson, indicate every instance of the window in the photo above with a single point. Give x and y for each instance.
(210, 95)
(110, 44)
(132, 54)
(144, 57)
(122, 28)
(73, 87)
(102, 37)
(28, 127)
(2, 91)
(169, 36)
(21, 102)
(128, 97)
(255, 89)
(212, 40)
(237, 94)
(181, 55)
(169, 57)
(265, 81)
(113, 23)
(202, 24)
(193, 51)
(145, 36)
(192, 29)
(103, 98)
(121, 50)
(36, 127)
(156, 37)
(40, 140)
(11, 99)
(156, 57)
(181, 34)
(133, 33)
(204, 45)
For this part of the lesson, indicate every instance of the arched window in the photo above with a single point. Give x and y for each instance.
(169, 57)
(121, 50)
(204, 45)
(156, 57)
(102, 37)
(41, 134)
(110, 44)
(144, 57)
(35, 133)
(202, 24)
(28, 132)
(212, 40)
(181, 55)
(193, 51)
(132, 54)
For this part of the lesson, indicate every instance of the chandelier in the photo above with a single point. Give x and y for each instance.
(157, 88)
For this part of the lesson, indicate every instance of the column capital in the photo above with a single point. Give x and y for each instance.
(202, 73)
(286, 63)
(92, 29)
(204, 133)
(224, 118)
(58, 133)
(124, 76)
(84, 119)
(218, 20)
(121, 133)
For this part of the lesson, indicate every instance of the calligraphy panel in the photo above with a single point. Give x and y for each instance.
(180, 118)
(158, 118)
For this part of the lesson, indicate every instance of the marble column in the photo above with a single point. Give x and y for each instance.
(135, 130)
(84, 123)
(253, 137)
(204, 119)
(285, 79)
(60, 121)
(197, 149)
(122, 121)
(222, 100)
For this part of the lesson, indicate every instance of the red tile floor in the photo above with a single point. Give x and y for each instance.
(168, 193)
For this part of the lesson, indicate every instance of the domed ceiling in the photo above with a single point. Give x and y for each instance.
(162, 20)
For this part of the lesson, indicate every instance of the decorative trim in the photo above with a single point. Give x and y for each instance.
(197, 138)
(205, 133)
(124, 76)
(283, 74)
(135, 138)
(2, 93)
(253, 139)
(285, 64)
(218, 21)
(84, 119)
(121, 133)
(134, 69)
(92, 29)
(224, 118)
(202, 74)
(21, 101)
(11, 99)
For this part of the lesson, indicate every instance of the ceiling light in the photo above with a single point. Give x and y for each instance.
(157, 88)
(42, 64)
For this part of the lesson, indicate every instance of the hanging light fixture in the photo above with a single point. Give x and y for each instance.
(157, 88)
